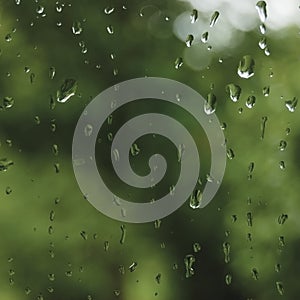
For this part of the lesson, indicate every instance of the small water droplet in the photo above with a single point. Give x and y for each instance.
(279, 287)
(123, 234)
(262, 43)
(277, 268)
(291, 104)
(228, 279)
(262, 28)
(109, 10)
(178, 62)
(189, 260)
(5, 164)
(282, 165)
(8, 102)
(282, 145)
(204, 37)
(246, 67)
(158, 278)
(251, 100)
(266, 91)
(133, 267)
(226, 250)
(255, 274)
(210, 104)
(66, 91)
(40, 9)
(195, 199)
(84, 235)
(196, 247)
(261, 7)
(189, 40)
(249, 219)
(214, 18)
(263, 126)
(106, 246)
(234, 91)
(230, 154)
(52, 72)
(134, 149)
(77, 27)
(110, 29)
(282, 218)
(194, 16)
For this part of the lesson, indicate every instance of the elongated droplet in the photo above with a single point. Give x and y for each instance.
(123, 234)
(282, 218)
(52, 72)
(189, 260)
(66, 91)
(263, 126)
(228, 279)
(226, 250)
(246, 67)
(230, 154)
(214, 18)
(261, 7)
(280, 288)
(194, 16)
(266, 91)
(204, 37)
(133, 266)
(234, 91)
(195, 199)
(210, 104)
(189, 40)
(249, 219)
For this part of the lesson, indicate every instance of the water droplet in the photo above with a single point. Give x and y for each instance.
(250, 101)
(52, 215)
(8, 37)
(178, 62)
(282, 145)
(281, 241)
(109, 10)
(189, 40)
(263, 126)
(110, 29)
(279, 287)
(266, 91)
(121, 269)
(226, 250)
(189, 260)
(194, 16)
(8, 102)
(262, 28)
(134, 149)
(123, 234)
(40, 9)
(262, 43)
(84, 235)
(233, 218)
(51, 277)
(55, 149)
(210, 104)
(291, 104)
(195, 199)
(5, 164)
(204, 37)
(133, 267)
(230, 154)
(66, 91)
(117, 293)
(88, 130)
(228, 279)
(18, 2)
(77, 28)
(277, 268)
(214, 18)
(106, 246)
(234, 91)
(282, 165)
(69, 273)
(180, 152)
(249, 219)
(52, 72)
(282, 218)
(261, 7)
(255, 274)
(158, 278)
(27, 289)
(246, 67)
(196, 247)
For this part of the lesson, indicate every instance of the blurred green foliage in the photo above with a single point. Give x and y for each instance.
(73, 249)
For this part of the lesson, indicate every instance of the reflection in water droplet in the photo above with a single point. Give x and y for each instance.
(246, 67)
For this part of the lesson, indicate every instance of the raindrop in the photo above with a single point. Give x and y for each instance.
(189, 40)
(281, 241)
(27, 289)
(266, 91)
(189, 260)
(233, 218)
(194, 16)
(249, 219)
(279, 287)
(52, 72)
(57, 167)
(204, 37)
(66, 91)
(108, 10)
(178, 62)
(40, 9)
(282, 165)
(121, 269)
(133, 267)
(282, 145)
(228, 279)
(261, 7)
(195, 199)
(158, 278)
(226, 250)
(234, 91)
(51, 277)
(8, 37)
(55, 149)
(262, 28)
(110, 29)
(52, 215)
(210, 104)
(277, 268)
(262, 43)
(8, 102)
(106, 246)
(84, 235)
(5, 164)
(246, 67)
(214, 18)
(134, 149)
(88, 130)
(263, 126)
(157, 224)
(291, 104)
(123, 234)
(251, 101)
(230, 154)
(196, 247)
(282, 218)
(254, 273)
(76, 27)
(37, 120)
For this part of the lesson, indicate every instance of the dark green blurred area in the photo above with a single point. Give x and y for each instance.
(72, 259)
